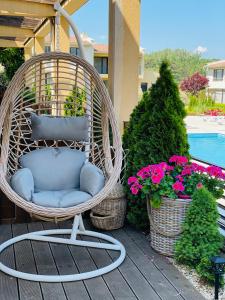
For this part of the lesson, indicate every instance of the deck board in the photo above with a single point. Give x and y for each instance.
(8, 285)
(25, 262)
(143, 275)
(156, 280)
(66, 265)
(96, 287)
(180, 283)
(114, 280)
(46, 265)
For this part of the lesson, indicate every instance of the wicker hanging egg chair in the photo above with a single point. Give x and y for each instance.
(32, 91)
(59, 86)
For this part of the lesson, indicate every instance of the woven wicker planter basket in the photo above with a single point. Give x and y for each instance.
(110, 213)
(166, 223)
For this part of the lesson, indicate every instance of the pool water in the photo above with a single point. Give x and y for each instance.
(209, 147)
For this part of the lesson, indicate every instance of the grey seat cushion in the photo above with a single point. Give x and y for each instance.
(59, 128)
(54, 169)
(63, 198)
(91, 179)
(22, 183)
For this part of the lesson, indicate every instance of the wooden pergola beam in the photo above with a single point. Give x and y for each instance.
(9, 44)
(11, 31)
(26, 9)
(71, 6)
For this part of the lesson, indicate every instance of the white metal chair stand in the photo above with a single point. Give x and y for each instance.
(77, 229)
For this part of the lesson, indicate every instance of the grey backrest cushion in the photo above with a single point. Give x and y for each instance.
(59, 128)
(91, 179)
(54, 169)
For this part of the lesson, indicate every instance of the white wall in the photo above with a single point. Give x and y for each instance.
(89, 53)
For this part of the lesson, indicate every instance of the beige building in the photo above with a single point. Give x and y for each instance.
(98, 56)
(215, 72)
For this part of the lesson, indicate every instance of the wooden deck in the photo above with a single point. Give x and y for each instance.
(143, 275)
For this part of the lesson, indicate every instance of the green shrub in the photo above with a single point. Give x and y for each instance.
(201, 238)
(200, 103)
(220, 106)
(48, 92)
(137, 214)
(74, 104)
(155, 132)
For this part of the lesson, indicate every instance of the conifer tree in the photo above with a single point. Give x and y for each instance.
(155, 132)
(201, 238)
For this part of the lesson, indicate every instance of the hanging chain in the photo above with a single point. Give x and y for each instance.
(57, 29)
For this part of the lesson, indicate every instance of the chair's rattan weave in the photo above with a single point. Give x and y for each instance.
(58, 84)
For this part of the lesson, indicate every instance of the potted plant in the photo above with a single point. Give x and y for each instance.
(168, 187)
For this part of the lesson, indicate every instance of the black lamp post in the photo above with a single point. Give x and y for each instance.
(218, 266)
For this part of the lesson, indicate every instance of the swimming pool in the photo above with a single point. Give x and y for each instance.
(209, 147)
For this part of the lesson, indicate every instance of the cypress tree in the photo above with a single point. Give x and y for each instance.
(201, 238)
(155, 132)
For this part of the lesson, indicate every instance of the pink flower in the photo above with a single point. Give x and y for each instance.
(134, 190)
(169, 168)
(144, 172)
(186, 171)
(157, 174)
(214, 171)
(156, 179)
(179, 160)
(164, 166)
(199, 185)
(198, 168)
(135, 187)
(180, 178)
(132, 179)
(178, 186)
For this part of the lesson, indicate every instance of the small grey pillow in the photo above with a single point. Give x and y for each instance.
(22, 183)
(91, 179)
(59, 128)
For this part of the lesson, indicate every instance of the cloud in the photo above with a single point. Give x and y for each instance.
(200, 50)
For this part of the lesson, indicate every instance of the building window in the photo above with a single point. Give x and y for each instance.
(47, 78)
(47, 49)
(218, 96)
(144, 86)
(75, 51)
(218, 74)
(101, 64)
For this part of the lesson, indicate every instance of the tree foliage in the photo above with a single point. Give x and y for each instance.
(11, 59)
(183, 63)
(74, 104)
(155, 132)
(201, 238)
(194, 84)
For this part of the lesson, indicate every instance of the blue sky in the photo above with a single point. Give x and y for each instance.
(187, 24)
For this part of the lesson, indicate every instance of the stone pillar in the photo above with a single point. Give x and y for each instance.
(124, 48)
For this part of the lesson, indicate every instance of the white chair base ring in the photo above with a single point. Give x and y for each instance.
(78, 229)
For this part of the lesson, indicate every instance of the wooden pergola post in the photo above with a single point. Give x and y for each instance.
(27, 53)
(124, 45)
(64, 35)
(39, 45)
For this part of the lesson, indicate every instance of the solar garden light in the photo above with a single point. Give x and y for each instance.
(218, 266)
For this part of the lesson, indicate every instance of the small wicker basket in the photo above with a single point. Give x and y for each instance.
(166, 224)
(110, 213)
